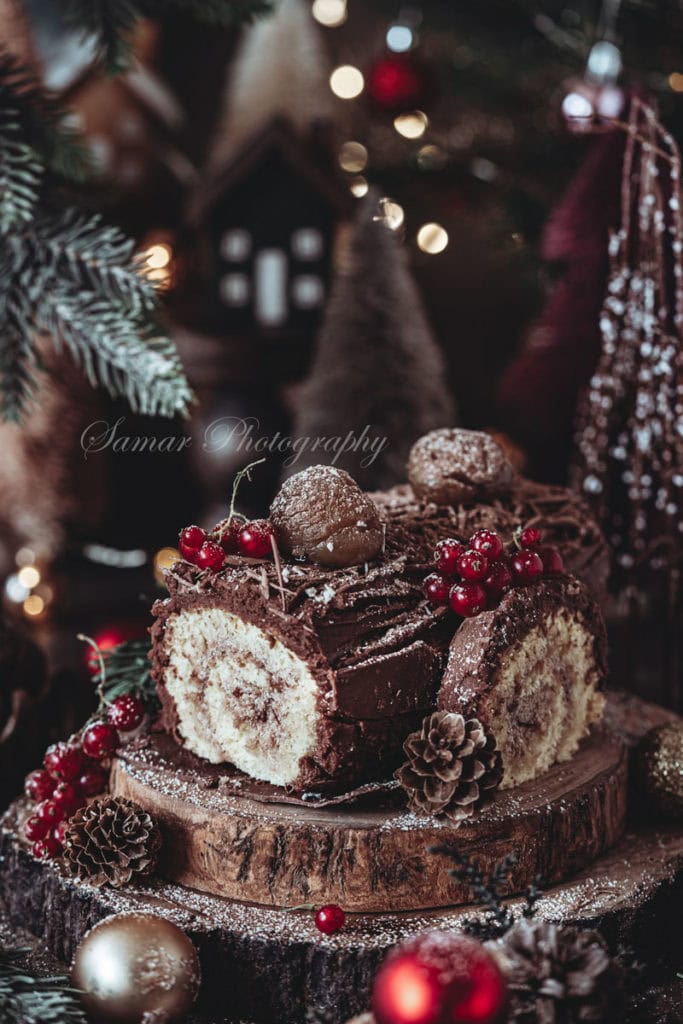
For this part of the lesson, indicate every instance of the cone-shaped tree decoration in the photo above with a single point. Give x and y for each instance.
(629, 461)
(377, 370)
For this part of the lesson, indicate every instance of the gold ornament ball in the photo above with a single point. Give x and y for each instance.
(661, 769)
(132, 964)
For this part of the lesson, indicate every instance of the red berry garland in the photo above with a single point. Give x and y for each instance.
(474, 576)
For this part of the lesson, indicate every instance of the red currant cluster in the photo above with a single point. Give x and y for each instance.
(474, 576)
(72, 772)
(251, 538)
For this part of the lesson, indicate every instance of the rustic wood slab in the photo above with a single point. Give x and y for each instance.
(373, 860)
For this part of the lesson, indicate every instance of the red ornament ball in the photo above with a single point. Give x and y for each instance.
(436, 588)
(446, 555)
(126, 712)
(190, 540)
(329, 919)
(526, 566)
(39, 785)
(439, 978)
(467, 599)
(100, 741)
(63, 761)
(397, 82)
(254, 539)
(210, 556)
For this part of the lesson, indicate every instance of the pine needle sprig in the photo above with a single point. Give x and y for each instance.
(25, 999)
(125, 669)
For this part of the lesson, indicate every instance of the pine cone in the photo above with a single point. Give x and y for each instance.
(109, 841)
(558, 975)
(452, 766)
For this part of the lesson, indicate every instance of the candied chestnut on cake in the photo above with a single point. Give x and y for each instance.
(452, 466)
(530, 670)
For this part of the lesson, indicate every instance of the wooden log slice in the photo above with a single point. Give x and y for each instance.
(372, 860)
(272, 966)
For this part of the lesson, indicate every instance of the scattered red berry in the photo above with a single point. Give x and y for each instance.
(446, 554)
(467, 599)
(526, 566)
(190, 541)
(67, 798)
(254, 539)
(36, 827)
(39, 785)
(63, 761)
(226, 533)
(126, 712)
(488, 543)
(530, 537)
(51, 813)
(100, 740)
(473, 566)
(329, 919)
(92, 781)
(210, 556)
(436, 588)
(60, 832)
(498, 580)
(46, 849)
(551, 558)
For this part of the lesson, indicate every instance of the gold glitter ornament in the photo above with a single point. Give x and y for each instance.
(132, 968)
(661, 770)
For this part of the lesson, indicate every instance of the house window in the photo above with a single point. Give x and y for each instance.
(235, 289)
(307, 244)
(307, 291)
(235, 245)
(270, 287)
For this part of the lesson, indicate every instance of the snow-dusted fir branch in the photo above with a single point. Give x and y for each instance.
(25, 999)
(69, 276)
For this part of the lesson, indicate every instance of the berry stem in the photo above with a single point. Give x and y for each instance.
(278, 571)
(236, 483)
(300, 906)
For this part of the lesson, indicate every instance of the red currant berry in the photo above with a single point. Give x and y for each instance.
(498, 580)
(473, 566)
(60, 831)
(446, 554)
(254, 539)
(126, 712)
(329, 919)
(436, 588)
(63, 761)
(36, 827)
(190, 541)
(551, 558)
(467, 599)
(51, 813)
(210, 556)
(526, 566)
(92, 781)
(226, 533)
(530, 537)
(46, 849)
(66, 797)
(100, 740)
(487, 543)
(39, 785)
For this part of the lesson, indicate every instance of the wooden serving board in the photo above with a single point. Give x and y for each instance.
(373, 860)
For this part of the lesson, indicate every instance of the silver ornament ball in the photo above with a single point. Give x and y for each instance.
(130, 965)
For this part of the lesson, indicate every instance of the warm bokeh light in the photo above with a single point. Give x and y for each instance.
(329, 13)
(676, 81)
(432, 238)
(347, 82)
(164, 559)
(25, 556)
(391, 213)
(353, 157)
(29, 577)
(431, 158)
(158, 256)
(359, 186)
(575, 106)
(411, 125)
(34, 605)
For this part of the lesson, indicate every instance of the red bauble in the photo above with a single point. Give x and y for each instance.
(446, 555)
(254, 539)
(397, 82)
(436, 588)
(329, 919)
(63, 761)
(126, 712)
(100, 740)
(439, 978)
(467, 599)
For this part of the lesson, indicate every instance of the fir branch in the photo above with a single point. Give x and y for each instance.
(20, 175)
(126, 670)
(486, 890)
(25, 999)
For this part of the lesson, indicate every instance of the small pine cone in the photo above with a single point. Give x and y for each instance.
(452, 766)
(558, 975)
(109, 841)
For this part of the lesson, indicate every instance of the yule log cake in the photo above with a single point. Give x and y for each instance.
(310, 669)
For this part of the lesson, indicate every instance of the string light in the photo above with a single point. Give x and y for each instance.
(432, 238)
(411, 125)
(400, 38)
(330, 13)
(676, 81)
(347, 82)
(29, 577)
(359, 186)
(353, 157)
(34, 606)
(157, 259)
(391, 213)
